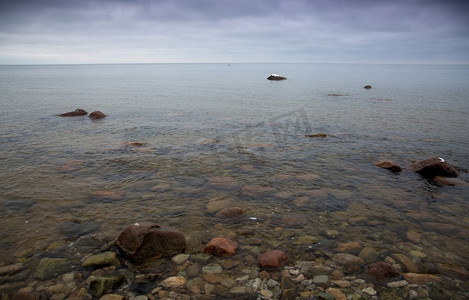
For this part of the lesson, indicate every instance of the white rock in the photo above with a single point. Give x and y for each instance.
(370, 291)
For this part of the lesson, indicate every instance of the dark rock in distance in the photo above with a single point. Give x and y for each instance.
(231, 213)
(276, 77)
(316, 135)
(381, 270)
(143, 241)
(435, 166)
(367, 87)
(76, 113)
(389, 165)
(96, 115)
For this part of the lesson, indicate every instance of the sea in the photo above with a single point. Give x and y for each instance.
(182, 142)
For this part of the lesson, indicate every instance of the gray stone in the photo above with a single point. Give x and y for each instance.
(321, 279)
(200, 258)
(215, 269)
(50, 267)
(180, 258)
(397, 284)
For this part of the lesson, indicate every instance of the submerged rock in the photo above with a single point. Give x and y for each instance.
(221, 246)
(435, 166)
(102, 259)
(447, 181)
(231, 213)
(273, 259)
(77, 112)
(316, 135)
(104, 284)
(74, 230)
(144, 241)
(389, 165)
(96, 115)
(50, 267)
(367, 87)
(381, 270)
(276, 77)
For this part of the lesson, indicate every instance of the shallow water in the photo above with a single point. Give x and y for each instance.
(200, 121)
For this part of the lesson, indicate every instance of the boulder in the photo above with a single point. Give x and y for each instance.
(276, 77)
(389, 165)
(77, 112)
(96, 115)
(435, 166)
(221, 246)
(147, 240)
(273, 259)
(367, 87)
(108, 258)
(51, 267)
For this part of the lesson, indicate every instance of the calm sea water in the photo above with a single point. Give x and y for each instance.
(218, 135)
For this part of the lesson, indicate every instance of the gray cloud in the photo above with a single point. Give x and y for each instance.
(244, 30)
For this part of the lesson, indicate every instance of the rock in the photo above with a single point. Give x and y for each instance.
(406, 262)
(102, 259)
(389, 165)
(368, 254)
(367, 87)
(14, 268)
(228, 264)
(266, 294)
(180, 258)
(447, 181)
(421, 278)
(214, 269)
(212, 278)
(104, 284)
(223, 181)
(273, 259)
(231, 213)
(192, 271)
(321, 279)
(77, 112)
(221, 246)
(238, 290)
(348, 260)
(338, 295)
(256, 190)
(74, 230)
(414, 237)
(436, 166)
(397, 284)
(27, 296)
(113, 297)
(459, 272)
(381, 270)
(350, 246)
(72, 165)
(51, 267)
(133, 144)
(369, 290)
(336, 95)
(316, 135)
(174, 281)
(144, 241)
(276, 77)
(342, 283)
(96, 115)
(444, 228)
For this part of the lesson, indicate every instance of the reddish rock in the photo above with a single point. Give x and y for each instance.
(77, 112)
(436, 166)
(221, 246)
(273, 259)
(381, 270)
(367, 87)
(421, 278)
(96, 115)
(389, 165)
(144, 241)
(231, 213)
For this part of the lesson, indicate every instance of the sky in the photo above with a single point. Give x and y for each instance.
(178, 31)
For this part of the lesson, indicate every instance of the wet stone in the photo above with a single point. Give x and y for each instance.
(180, 258)
(103, 284)
(215, 269)
(14, 268)
(174, 281)
(397, 284)
(368, 254)
(200, 258)
(50, 267)
(102, 259)
(74, 230)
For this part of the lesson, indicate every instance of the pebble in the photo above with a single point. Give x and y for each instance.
(370, 291)
(267, 294)
(272, 283)
(215, 269)
(180, 258)
(174, 281)
(321, 279)
(238, 290)
(397, 284)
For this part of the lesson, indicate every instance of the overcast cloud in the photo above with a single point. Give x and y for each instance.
(373, 31)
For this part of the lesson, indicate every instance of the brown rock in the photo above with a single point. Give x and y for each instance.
(96, 115)
(10, 269)
(381, 270)
(276, 77)
(221, 246)
(367, 87)
(144, 241)
(212, 278)
(338, 295)
(273, 259)
(436, 166)
(231, 213)
(77, 112)
(406, 262)
(421, 278)
(350, 246)
(348, 260)
(413, 236)
(449, 181)
(133, 144)
(389, 165)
